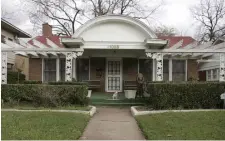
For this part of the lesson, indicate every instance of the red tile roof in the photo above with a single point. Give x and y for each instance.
(43, 39)
(175, 39)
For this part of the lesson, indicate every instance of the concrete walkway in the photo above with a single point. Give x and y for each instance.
(112, 124)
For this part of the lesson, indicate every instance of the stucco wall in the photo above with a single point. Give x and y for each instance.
(10, 55)
(35, 69)
(114, 31)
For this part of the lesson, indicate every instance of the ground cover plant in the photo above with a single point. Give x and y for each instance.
(43, 125)
(183, 126)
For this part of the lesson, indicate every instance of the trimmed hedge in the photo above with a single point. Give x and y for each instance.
(185, 95)
(45, 95)
(32, 82)
(67, 83)
(12, 77)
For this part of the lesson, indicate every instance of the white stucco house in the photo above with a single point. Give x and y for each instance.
(109, 51)
(10, 34)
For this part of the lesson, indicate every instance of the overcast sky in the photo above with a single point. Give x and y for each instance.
(175, 13)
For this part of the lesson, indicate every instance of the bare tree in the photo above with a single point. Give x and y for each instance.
(165, 31)
(63, 14)
(134, 8)
(66, 15)
(211, 16)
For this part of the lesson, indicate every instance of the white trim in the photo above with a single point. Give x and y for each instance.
(121, 73)
(186, 51)
(42, 67)
(186, 70)
(89, 67)
(57, 69)
(170, 69)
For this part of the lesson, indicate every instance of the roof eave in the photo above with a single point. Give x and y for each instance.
(156, 43)
(20, 33)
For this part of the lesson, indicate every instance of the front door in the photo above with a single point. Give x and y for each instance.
(114, 75)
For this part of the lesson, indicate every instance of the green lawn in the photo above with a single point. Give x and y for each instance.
(42, 125)
(184, 126)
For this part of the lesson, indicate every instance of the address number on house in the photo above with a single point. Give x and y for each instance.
(113, 46)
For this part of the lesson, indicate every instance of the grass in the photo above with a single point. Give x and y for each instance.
(31, 107)
(183, 126)
(42, 125)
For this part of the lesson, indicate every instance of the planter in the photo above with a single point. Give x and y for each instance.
(89, 93)
(130, 94)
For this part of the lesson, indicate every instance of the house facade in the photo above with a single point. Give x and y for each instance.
(10, 34)
(113, 51)
(109, 52)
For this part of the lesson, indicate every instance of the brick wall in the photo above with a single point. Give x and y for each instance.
(35, 69)
(192, 69)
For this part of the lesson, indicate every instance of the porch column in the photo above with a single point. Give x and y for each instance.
(57, 69)
(159, 71)
(222, 66)
(69, 59)
(75, 68)
(159, 64)
(69, 64)
(170, 69)
(4, 67)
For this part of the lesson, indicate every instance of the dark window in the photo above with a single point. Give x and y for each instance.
(3, 39)
(62, 69)
(165, 70)
(9, 67)
(145, 67)
(10, 39)
(50, 70)
(179, 70)
(82, 69)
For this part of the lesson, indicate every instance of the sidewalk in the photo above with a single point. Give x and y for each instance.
(112, 124)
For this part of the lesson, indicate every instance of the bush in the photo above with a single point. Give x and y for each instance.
(185, 95)
(45, 95)
(13, 77)
(32, 82)
(67, 83)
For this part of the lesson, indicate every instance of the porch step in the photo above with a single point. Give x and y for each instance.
(108, 102)
(116, 104)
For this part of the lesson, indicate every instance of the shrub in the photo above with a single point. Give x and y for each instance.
(185, 95)
(45, 95)
(67, 83)
(15, 77)
(32, 82)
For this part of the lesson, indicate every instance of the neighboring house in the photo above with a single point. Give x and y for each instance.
(209, 71)
(10, 34)
(111, 50)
